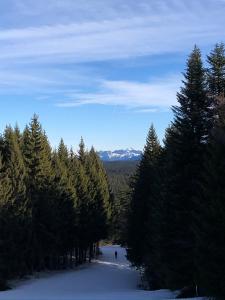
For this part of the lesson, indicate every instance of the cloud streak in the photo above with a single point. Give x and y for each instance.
(149, 96)
(40, 40)
(162, 30)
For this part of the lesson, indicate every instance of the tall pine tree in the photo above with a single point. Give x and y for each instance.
(142, 193)
(185, 149)
(210, 225)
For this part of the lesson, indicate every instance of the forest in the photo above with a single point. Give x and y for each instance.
(120, 174)
(176, 222)
(54, 204)
(168, 209)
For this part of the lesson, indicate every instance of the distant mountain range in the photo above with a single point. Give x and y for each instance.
(120, 155)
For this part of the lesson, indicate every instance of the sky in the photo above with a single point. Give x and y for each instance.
(101, 69)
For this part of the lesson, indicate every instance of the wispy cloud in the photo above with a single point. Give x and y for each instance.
(162, 30)
(41, 40)
(157, 93)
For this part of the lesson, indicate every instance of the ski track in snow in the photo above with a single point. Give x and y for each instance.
(104, 279)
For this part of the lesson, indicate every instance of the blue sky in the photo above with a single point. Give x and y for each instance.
(101, 69)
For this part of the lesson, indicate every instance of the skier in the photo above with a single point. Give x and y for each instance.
(116, 254)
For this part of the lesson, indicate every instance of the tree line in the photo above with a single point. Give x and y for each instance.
(54, 204)
(176, 222)
(119, 174)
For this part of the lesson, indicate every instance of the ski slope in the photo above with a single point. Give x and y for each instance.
(104, 279)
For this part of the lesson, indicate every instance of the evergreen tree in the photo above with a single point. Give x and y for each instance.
(18, 135)
(216, 72)
(185, 150)
(16, 175)
(82, 152)
(63, 153)
(63, 203)
(141, 200)
(80, 181)
(98, 190)
(5, 201)
(15, 164)
(37, 157)
(210, 223)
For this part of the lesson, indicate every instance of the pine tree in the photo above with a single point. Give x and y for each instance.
(5, 205)
(37, 157)
(15, 164)
(63, 153)
(17, 175)
(216, 71)
(82, 204)
(98, 190)
(18, 135)
(185, 150)
(210, 224)
(63, 205)
(82, 152)
(141, 200)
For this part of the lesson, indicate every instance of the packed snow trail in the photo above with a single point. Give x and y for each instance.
(104, 279)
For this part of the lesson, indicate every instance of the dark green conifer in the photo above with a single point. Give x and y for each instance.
(210, 221)
(98, 191)
(37, 158)
(216, 71)
(18, 204)
(141, 199)
(186, 149)
(6, 243)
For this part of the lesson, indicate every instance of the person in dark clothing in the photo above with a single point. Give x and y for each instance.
(116, 254)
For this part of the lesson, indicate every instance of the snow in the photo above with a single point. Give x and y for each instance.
(120, 155)
(104, 279)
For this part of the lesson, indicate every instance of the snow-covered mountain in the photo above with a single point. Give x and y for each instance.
(120, 155)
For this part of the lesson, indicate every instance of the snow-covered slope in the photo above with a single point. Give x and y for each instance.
(105, 279)
(128, 154)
